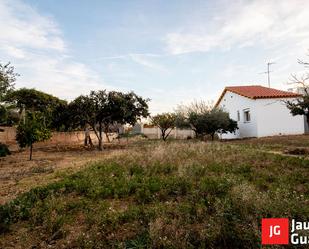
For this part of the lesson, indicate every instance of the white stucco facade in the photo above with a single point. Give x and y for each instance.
(260, 117)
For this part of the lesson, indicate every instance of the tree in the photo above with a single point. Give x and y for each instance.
(101, 110)
(7, 79)
(32, 100)
(203, 119)
(4, 150)
(123, 108)
(301, 105)
(3, 115)
(8, 115)
(166, 122)
(218, 120)
(31, 131)
(62, 118)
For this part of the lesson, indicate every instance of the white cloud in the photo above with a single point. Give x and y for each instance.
(14, 51)
(143, 59)
(36, 47)
(22, 26)
(247, 23)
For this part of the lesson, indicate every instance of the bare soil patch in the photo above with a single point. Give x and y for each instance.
(297, 151)
(19, 175)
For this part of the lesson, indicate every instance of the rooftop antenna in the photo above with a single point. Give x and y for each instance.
(268, 72)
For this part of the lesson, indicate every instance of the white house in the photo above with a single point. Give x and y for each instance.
(260, 111)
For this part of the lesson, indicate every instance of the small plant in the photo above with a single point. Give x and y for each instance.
(31, 131)
(4, 150)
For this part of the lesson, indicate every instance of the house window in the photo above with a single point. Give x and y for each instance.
(238, 116)
(247, 116)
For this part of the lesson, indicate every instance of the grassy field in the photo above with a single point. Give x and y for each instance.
(178, 194)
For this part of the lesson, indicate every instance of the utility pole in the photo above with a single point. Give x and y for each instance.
(268, 72)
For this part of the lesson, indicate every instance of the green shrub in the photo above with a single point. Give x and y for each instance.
(4, 150)
(218, 186)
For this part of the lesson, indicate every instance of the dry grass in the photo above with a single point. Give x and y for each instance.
(278, 143)
(179, 194)
(19, 175)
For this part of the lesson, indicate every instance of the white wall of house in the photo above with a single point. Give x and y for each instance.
(274, 118)
(268, 117)
(234, 103)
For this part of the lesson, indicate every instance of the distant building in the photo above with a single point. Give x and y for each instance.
(260, 111)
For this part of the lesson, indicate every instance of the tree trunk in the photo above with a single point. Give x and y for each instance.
(100, 137)
(163, 135)
(31, 149)
(166, 136)
(212, 136)
(86, 137)
(106, 134)
(100, 144)
(96, 132)
(90, 141)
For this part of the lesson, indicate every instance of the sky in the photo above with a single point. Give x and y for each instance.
(173, 52)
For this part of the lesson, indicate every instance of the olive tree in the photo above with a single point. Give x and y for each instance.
(204, 119)
(35, 101)
(102, 110)
(166, 122)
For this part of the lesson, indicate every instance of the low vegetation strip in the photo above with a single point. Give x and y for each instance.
(182, 194)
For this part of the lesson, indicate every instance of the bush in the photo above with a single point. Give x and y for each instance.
(4, 150)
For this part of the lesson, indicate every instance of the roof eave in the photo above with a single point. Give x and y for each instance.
(262, 97)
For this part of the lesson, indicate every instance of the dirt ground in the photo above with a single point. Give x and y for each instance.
(18, 174)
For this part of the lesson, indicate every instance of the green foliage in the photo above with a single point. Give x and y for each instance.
(3, 115)
(62, 118)
(8, 115)
(104, 110)
(205, 120)
(32, 130)
(165, 122)
(7, 79)
(125, 108)
(4, 150)
(36, 101)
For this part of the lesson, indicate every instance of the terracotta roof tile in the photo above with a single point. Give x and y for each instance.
(258, 92)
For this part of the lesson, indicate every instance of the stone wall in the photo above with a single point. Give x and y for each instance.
(176, 133)
(8, 136)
